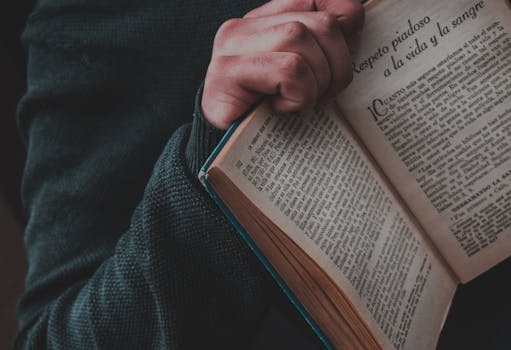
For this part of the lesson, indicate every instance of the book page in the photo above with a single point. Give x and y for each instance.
(308, 175)
(431, 101)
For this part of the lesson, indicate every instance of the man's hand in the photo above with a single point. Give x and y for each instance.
(297, 52)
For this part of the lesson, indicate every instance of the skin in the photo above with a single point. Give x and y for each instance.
(297, 53)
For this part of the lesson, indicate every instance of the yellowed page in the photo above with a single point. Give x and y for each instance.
(431, 101)
(307, 174)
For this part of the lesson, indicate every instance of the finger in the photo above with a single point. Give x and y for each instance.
(284, 36)
(321, 25)
(349, 14)
(234, 83)
(281, 6)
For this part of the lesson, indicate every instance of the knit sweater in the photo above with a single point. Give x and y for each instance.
(125, 249)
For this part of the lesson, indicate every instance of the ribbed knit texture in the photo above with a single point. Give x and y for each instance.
(204, 135)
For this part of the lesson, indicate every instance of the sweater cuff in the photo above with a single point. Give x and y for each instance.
(203, 137)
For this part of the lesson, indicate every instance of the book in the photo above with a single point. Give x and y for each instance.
(371, 210)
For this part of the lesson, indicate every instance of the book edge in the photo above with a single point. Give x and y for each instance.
(203, 178)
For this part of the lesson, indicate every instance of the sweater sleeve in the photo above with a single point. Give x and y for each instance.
(125, 249)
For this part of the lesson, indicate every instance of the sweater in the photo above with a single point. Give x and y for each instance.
(125, 249)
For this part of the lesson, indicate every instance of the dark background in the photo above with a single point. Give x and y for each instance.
(12, 86)
(12, 154)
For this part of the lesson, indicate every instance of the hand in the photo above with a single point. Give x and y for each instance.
(297, 52)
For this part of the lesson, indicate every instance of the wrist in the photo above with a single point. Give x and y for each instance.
(203, 137)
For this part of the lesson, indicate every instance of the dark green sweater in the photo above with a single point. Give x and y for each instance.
(125, 248)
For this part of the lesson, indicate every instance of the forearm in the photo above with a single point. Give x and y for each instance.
(175, 272)
(105, 272)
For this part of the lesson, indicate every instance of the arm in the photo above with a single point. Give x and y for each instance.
(175, 274)
(96, 118)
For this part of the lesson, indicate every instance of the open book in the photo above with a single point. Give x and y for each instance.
(372, 209)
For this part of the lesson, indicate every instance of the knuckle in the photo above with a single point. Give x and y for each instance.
(217, 64)
(293, 66)
(295, 31)
(222, 66)
(226, 30)
(327, 23)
